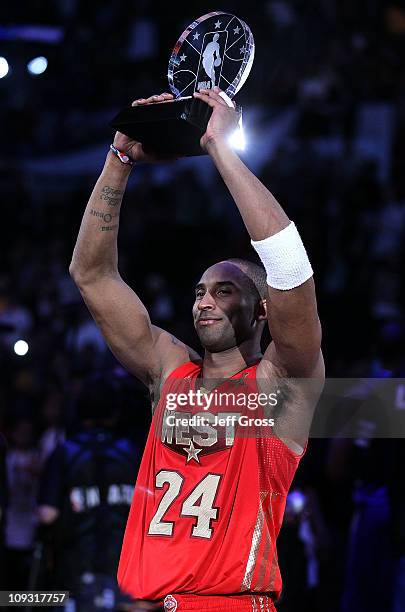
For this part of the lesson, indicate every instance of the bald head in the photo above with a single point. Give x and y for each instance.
(255, 282)
(229, 295)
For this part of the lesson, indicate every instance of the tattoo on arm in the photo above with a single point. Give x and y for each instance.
(96, 213)
(106, 217)
(111, 196)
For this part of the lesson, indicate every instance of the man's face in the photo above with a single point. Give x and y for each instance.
(224, 309)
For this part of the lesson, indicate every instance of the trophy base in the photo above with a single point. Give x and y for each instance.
(166, 128)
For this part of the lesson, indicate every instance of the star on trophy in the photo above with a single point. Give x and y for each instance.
(217, 49)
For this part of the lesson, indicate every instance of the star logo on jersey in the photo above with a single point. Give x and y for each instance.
(170, 603)
(192, 452)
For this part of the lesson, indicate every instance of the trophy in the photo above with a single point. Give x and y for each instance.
(215, 50)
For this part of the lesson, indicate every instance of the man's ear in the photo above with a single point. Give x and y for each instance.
(262, 310)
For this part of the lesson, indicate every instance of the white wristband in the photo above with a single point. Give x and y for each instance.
(284, 258)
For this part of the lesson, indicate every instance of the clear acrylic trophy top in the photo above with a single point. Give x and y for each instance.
(217, 49)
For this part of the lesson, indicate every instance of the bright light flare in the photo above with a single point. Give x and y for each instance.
(38, 65)
(4, 67)
(238, 139)
(21, 348)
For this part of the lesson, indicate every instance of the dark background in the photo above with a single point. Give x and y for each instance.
(324, 116)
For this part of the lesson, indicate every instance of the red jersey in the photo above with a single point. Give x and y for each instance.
(208, 503)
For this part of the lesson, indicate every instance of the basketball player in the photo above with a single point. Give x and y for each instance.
(209, 502)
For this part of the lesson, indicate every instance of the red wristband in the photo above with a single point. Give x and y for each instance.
(123, 157)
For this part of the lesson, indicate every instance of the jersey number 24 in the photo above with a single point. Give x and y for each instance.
(199, 503)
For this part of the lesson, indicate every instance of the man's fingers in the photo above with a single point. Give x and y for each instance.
(227, 99)
(218, 94)
(214, 96)
(156, 98)
(202, 96)
(160, 97)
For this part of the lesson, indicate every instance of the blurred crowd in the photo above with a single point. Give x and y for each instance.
(338, 68)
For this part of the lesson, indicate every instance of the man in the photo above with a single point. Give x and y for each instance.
(85, 493)
(208, 503)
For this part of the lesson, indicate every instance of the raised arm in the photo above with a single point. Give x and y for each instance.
(145, 350)
(292, 314)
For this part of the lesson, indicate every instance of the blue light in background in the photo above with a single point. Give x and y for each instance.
(38, 65)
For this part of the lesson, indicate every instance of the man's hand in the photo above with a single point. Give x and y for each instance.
(133, 148)
(223, 121)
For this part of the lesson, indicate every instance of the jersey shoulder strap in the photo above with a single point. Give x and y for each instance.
(190, 368)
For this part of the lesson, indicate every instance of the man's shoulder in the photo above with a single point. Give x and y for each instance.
(267, 370)
(174, 377)
(269, 373)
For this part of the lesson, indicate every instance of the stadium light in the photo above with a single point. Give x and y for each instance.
(21, 348)
(4, 67)
(37, 65)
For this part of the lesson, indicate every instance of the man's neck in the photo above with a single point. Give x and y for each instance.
(229, 362)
